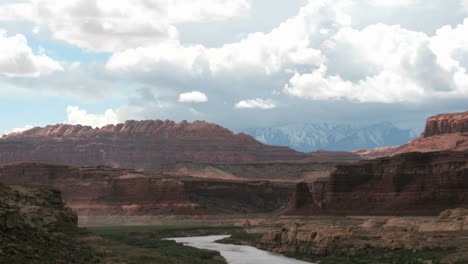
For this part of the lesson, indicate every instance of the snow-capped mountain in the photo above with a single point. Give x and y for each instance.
(333, 137)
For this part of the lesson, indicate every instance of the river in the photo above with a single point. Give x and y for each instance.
(235, 254)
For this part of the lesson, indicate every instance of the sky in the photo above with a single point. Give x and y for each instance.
(239, 63)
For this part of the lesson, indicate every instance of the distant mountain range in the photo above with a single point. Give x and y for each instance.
(333, 137)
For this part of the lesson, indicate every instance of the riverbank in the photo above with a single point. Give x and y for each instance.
(146, 244)
(319, 239)
(236, 254)
(367, 240)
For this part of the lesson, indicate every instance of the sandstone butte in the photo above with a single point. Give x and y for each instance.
(146, 144)
(423, 177)
(442, 132)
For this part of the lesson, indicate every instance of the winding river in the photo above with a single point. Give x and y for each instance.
(235, 254)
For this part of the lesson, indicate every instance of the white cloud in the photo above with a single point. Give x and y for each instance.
(255, 103)
(113, 25)
(182, 11)
(21, 129)
(387, 87)
(291, 44)
(464, 4)
(18, 60)
(75, 116)
(412, 67)
(390, 3)
(193, 97)
(15, 11)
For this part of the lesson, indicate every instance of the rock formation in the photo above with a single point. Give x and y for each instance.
(139, 144)
(406, 184)
(36, 227)
(446, 124)
(442, 132)
(252, 171)
(373, 239)
(100, 190)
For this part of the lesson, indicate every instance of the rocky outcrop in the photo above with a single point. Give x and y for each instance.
(139, 144)
(24, 207)
(406, 184)
(446, 124)
(449, 220)
(36, 227)
(370, 240)
(100, 190)
(442, 132)
(253, 171)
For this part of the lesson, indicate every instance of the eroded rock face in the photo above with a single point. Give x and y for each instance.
(442, 132)
(253, 171)
(36, 227)
(446, 124)
(139, 144)
(370, 239)
(406, 184)
(100, 190)
(35, 208)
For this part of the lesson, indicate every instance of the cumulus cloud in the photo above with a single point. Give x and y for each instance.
(331, 59)
(21, 129)
(193, 97)
(255, 103)
(76, 116)
(182, 11)
(18, 60)
(464, 4)
(412, 67)
(291, 44)
(390, 3)
(110, 25)
(330, 50)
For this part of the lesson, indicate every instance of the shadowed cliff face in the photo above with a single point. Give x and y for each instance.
(406, 184)
(139, 144)
(442, 132)
(36, 227)
(108, 191)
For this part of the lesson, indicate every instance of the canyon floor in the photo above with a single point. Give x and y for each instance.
(318, 239)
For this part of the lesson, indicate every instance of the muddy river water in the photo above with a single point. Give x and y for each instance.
(235, 254)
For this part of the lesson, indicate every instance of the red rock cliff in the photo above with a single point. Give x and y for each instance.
(406, 184)
(103, 190)
(139, 144)
(446, 124)
(442, 132)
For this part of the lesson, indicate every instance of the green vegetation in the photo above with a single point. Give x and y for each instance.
(144, 244)
(246, 239)
(30, 246)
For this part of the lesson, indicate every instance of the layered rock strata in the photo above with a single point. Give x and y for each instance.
(374, 239)
(139, 144)
(108, 191)
(406, 184)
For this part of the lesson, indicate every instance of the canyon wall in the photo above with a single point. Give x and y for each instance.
(100, 190)
(405, 184)
(267, 171)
